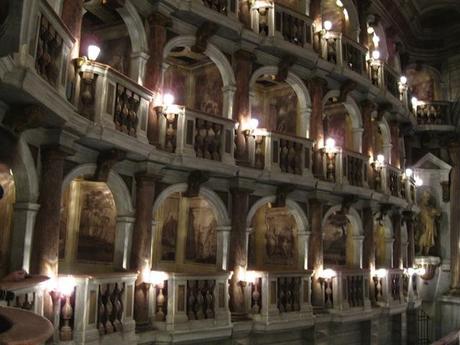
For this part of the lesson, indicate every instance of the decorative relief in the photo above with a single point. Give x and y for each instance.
(428, 224)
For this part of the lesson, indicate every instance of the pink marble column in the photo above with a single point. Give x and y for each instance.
(315, 248)
(408, 217)
(454, 152)
(154, 67)
(141, 243)
(46, 233)
(369, 243)
(397, 245)
(72, 15)
(238, 245)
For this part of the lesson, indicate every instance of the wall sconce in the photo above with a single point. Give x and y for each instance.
(418, 182)
(409, 173)
(63, 288)
(370, 30)
(380, 273)
(378, 165)
(339, 3)
(378, 276)
(251, 127)
(376, 40)
(331, 153)
(403, 80)
(325, 278)
(327, 25)
(376, 54)
(414, 102)
(157, 280)
(93, 52)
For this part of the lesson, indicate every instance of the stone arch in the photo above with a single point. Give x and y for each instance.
(221, 62)
(355, 114)
(353, 18)
(300, 219)
(358, 232)
(386, 134)
(299, 88)
(25, 174)
(117, 186)
(220, 212)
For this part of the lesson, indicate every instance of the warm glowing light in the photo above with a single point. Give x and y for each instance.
(93, 52)
(345, 14)
(156, 278)
(409, 271)
(330, 144)
(380, 273)
(414, 102)
(376, 54)
(409, 172)
(418, 182)
(327, 274)
(253, 124)
(168, 99)
(403, 80)
(376, 40)
(339, 3)
(370, 30)
(250, 277)
(380, 159)
(62, 285)
(327, 25)
(421, 271)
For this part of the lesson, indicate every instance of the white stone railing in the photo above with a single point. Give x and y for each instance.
(354, 55)
(292, 26)
(192, 303)
(225, 7)
(28, 293)
(197, 135)
(280, 153)
(348, 290)
(388, 290)
(112, 100)
(279, 297)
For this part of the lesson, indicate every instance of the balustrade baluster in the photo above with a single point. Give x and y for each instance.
(191, 299)
(255, 294)
(200, 300)
(209, 298)
(101, 312)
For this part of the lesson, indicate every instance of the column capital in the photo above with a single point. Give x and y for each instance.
(159, 19)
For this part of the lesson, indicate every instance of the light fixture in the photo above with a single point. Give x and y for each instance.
(327, 25)
(327, 274)
(339, 3)
(381, 273)
(376, 40)
(380, 159)
(409, 172)
(376, 54)
(168, 99)
(330, 145)
(403, 80)
(250, 277)
(414, 102)
(370, 30)
(156, 278)
(253, 124)
(421, 271)
(93, 52)
(418, 182)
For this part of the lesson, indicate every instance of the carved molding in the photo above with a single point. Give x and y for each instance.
(283, 67)
(203, 34)
(195, 180)
(105, 162)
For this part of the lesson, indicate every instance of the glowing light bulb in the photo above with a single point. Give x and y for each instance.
(339, 3)
(403, 80)
(253, 124)
(409, 172)
(327, 274)
(376, 40)
(381, 273)
(381, 159)
(327, 25)
(376, 55)
(93, 52)
(418, 182)
(330, 144)
(370, 30)
(168, 99)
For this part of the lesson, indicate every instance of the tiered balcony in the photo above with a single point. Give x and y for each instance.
(280, 300)
(192, 134)
(388, 289)
(434, 116)
(197, 304)
(112, 101)
(293, 26)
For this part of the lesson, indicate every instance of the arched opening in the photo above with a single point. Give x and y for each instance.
(275, 241)
(280, 106)
(343, 16)
(342, 122)
(188, 234)
(194, 80)
(383, 241)
(342, 239)
(381, 140)
(88, 226)
(424, 83)
(7, 202)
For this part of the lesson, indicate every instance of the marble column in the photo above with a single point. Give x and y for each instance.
(369, 242)
(397, 245)
(141, 244)
(238, 247)
(409, 220)
(318, 89)
(315, 250)
(242, 109)
(46, 234)
(454, 153)
(72, 15)
(154, 68)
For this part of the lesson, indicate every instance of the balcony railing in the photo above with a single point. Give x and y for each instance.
(433, 114)
(192, 302)
(28, 294)
(354, 55)
(109, 98)
(225, 7)
(393, 183)
(195, 134)
(277, 152)
(293, 26)
(388, 290)
(349, 290)
(51, 47)
(280, 296)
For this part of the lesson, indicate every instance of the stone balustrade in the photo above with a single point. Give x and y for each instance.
(384, 76)
(192, 303)
(225, 7)
(354, 55)
(51, 47)
(280, 298)
(435, 113)
(388, 289)
(293, 26)
(197, 135)
(348, 290)
(393, 181)
(112, 100)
